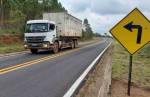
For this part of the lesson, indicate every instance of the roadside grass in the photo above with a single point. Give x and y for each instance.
(141, 65)
(17, 47)
(9, 48)
(9, 32)
(86, 39)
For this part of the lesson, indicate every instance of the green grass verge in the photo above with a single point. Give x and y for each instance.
(9, 32)
(141, 65)
(11, 48)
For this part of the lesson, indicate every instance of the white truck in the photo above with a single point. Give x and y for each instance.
(53, 32)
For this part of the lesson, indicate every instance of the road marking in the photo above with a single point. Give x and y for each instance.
(77, 83)
(24, 52)
(19, 66)
(24, 65)
(12, 54)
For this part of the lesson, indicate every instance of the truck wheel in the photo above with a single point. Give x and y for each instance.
(55, 47)
(34, 51)
(74, 43)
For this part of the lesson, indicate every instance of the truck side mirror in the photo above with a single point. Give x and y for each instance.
(52, 27)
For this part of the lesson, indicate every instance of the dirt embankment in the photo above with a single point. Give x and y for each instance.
(119, 89)
(9, 39)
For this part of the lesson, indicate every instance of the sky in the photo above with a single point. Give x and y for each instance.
(104, 14)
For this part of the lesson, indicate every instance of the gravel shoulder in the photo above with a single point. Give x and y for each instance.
(95, 82)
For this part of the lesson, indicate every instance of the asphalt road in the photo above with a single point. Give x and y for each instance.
(49, 78)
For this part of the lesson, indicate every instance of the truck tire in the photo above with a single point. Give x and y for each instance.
(56, 47)
(75, 43)
(72, 45)
(34, 51)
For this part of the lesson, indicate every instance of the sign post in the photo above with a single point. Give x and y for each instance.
(130, 75)
(132, 32)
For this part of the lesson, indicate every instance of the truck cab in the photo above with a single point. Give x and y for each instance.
(39, 34)
(55, 31)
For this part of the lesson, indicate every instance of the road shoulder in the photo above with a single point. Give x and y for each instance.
(96, 82)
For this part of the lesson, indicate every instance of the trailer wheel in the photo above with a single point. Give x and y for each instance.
(72, 44)
(75, 43)
(34, 51)
(55, 47)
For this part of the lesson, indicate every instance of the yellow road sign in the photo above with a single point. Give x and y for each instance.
(133, 31)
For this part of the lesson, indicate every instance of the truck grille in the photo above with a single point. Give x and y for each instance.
(35, 39)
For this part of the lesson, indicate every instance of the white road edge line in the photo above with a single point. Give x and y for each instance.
(76, 84)
(12, 54)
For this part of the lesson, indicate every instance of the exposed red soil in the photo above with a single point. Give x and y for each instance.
(9, 39)
(119, 89)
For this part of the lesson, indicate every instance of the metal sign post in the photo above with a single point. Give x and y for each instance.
(132, 32)
(130, 75)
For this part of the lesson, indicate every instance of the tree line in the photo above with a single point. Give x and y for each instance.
(32, 9)
(15, 13)
(87, 32)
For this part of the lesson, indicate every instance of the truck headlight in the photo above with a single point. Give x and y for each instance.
(45, 45)
(25, 45)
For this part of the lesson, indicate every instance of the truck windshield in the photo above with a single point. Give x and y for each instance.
(37, 27)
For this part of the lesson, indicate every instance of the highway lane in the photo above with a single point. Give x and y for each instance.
(51, 78)
(8, 61)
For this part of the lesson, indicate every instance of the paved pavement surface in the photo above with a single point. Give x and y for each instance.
(50, 78)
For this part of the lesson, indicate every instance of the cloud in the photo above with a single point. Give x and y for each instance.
(76, 5)
(108, 7)
(102, 7)
(119, 6)
(104, 14)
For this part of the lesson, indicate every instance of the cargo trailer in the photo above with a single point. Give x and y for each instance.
(53, 32)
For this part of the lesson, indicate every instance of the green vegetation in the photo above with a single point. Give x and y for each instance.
(11, 48)
(14, 13)
(141, 65)
(87, 33)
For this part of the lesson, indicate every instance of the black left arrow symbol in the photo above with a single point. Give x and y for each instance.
(130, 26)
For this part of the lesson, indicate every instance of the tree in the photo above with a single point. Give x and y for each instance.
(14, 13)
(1, 13)
(87, 32)
(4, 11)
(31, 9)
(97, 35)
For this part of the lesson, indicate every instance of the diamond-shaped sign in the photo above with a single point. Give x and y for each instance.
(133, 31)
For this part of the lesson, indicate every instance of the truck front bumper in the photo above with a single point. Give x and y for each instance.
(45, 45)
